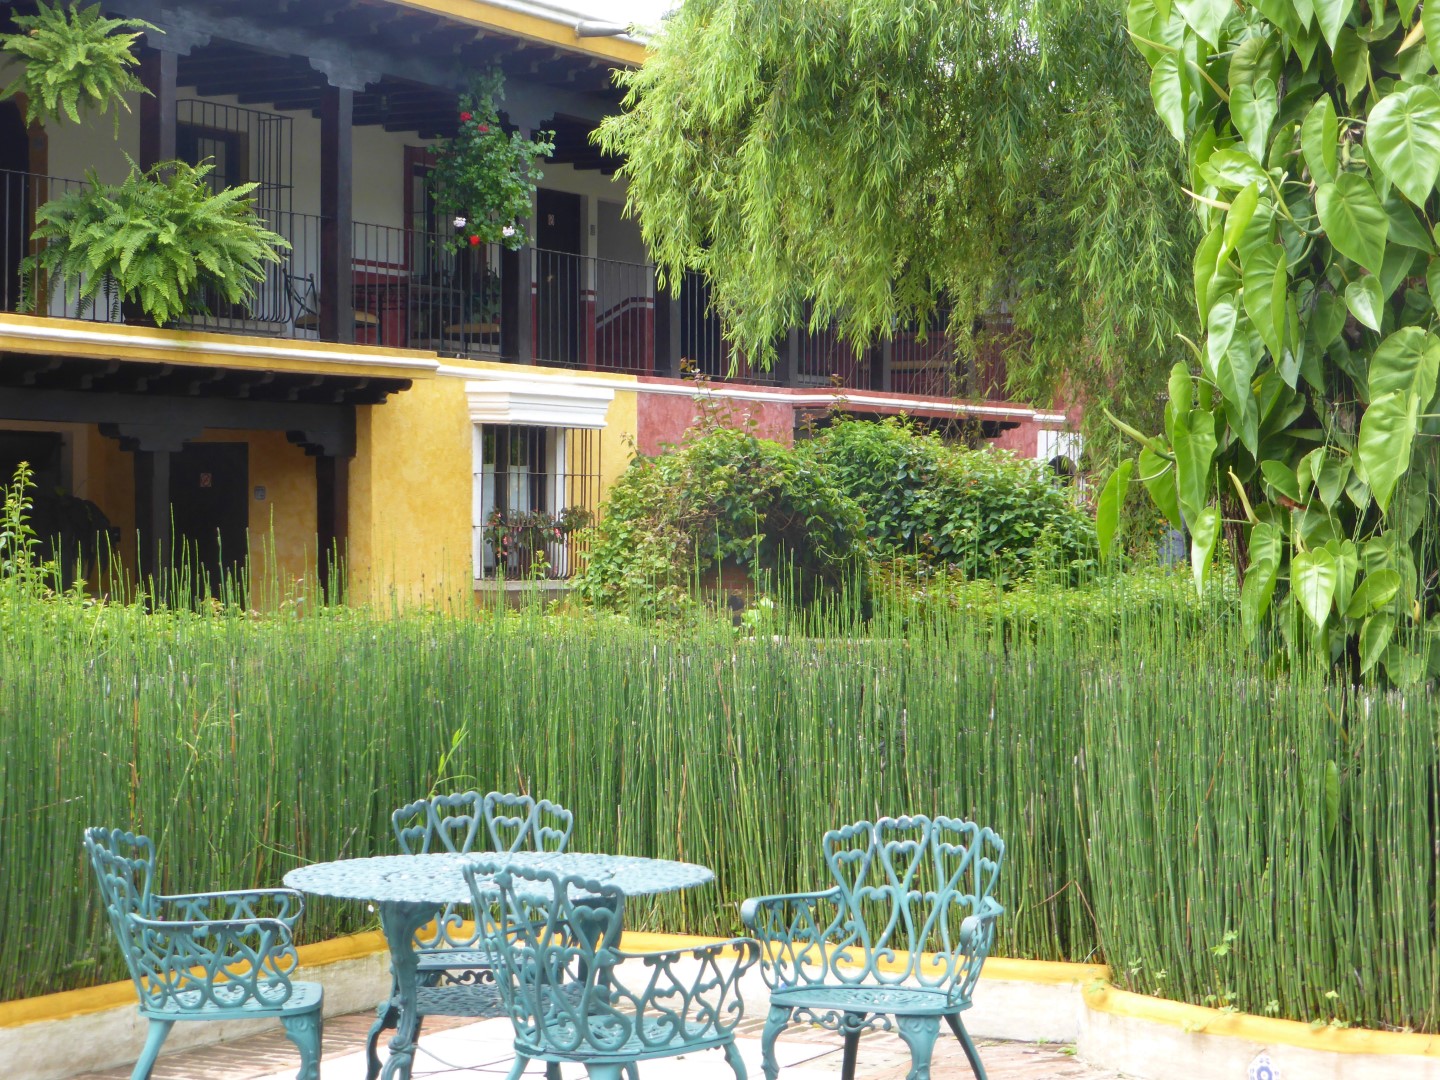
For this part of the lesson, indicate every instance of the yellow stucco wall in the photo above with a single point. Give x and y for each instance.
(411, 485)
(410, 497)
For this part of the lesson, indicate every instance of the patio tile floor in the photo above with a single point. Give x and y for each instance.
(483, 1049)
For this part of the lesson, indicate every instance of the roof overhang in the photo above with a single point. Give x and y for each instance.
(539, 402)
(539, 23)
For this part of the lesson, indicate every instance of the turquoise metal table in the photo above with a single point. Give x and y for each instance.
(410, 890)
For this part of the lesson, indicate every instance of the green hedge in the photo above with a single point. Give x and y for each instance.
(1215, 835)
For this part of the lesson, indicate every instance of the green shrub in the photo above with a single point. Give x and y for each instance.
(981, 513)
(723, 498)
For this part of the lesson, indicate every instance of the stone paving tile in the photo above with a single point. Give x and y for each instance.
(804, 1054)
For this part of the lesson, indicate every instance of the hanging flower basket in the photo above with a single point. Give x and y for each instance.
(484, 177)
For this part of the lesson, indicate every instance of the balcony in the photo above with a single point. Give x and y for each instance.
(414, 289)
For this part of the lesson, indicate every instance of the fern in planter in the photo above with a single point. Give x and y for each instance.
(162, 236)
(73, 59)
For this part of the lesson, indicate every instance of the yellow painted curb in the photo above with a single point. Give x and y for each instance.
(1268, 1031)
(1099, 996)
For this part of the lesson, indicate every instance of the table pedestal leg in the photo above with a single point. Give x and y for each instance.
(400, 921)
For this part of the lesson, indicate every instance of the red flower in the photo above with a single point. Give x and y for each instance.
(465, 117)
(483, 129)
(474, 241)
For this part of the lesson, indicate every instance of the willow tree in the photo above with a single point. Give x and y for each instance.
(1303, 427)
(875, 162)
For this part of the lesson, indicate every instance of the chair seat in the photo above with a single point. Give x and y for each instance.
(232, 1002)
(451, 959)
(888, 1000)
(456, 999)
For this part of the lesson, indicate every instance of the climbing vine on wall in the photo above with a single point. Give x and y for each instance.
(1301, 431)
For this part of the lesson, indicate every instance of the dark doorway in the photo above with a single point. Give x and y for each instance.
(45, 452)
(14, 212)
(560, 273)
(210, 509)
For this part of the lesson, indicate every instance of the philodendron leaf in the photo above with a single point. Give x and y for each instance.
(1206, 17)
(1282, 478)
(1365, 301)
(1194, 448)
(1207, 255)
(1403, 136)
(1265, 284)
(1387, 433)
(1204, 532)
(1408, 359)
(1430, 16)
(1351, 59)
(1158, 476)
(1169, 92)
(1107, 511)
(1377, 590)
(1220, 331)
(1313, 578)
(1327, 320)
(1404, 666)
(1331, 15)
(1252, 111)
(1265, 551)
(1375, 637)
(1354, 220)
(1320, 139)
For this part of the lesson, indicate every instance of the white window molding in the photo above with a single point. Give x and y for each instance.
(557, 403)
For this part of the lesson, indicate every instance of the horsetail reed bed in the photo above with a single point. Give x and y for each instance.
(1216, 834)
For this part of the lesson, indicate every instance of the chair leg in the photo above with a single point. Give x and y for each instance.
(552, 1070)
(387, 1017)
(307, 1032)
(632, 1072)
(154, 1038)
(519, 1067)
(971, 1053)
(774, 1024)
(919, 1034)
(737, 1065)
(604, 1072)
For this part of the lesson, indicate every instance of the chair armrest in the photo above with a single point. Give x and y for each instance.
(286, 905)
(751, 909)
(975, 929)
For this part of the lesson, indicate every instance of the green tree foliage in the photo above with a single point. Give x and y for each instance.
(858, 159)
(1313, 131)
(722, 498)
(74, 59)
(979, 513)
(162, 236)
(484, 177)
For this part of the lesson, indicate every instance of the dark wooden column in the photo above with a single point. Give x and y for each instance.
(332, 519)
(158, 68)
(882, 365)
(337, 215)
(152, 509)
(667, 332)
(517, 319)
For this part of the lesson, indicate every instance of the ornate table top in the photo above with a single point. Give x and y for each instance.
(437, 879)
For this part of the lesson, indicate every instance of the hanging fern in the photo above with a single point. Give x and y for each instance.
(74, 58)
(162, 236)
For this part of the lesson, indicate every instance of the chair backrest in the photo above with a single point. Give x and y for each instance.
(554, 942)
(441, 823)
(124, 865)
(519, 823)
(908, 885)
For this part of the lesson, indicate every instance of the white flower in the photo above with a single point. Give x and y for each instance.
(461, 222)
(508, 230)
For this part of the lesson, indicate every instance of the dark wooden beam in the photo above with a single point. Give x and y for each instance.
(337, 218)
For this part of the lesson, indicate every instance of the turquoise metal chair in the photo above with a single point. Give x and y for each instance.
(204, 956)
(453, 962)
(557, 963)
(896, 944)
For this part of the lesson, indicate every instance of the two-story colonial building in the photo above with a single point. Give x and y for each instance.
(384, 395)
